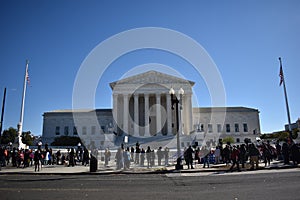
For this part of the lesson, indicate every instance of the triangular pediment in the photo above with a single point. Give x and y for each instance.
(151, 77)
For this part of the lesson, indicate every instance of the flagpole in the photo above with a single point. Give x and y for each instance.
(20, 124)
(286, 99)
(2, 113)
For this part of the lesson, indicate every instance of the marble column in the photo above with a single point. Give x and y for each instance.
(189, 120)
(115, 111)
(169, 115)
(158, 113)
(136, 114)
(147, 114)
(126, 113)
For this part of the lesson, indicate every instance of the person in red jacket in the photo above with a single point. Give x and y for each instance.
(235, 158)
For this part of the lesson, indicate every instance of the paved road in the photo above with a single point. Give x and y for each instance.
(270, 184)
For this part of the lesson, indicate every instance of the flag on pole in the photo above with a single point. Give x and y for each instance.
(27, 76)
(281, 75)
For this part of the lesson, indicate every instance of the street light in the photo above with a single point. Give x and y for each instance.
(175, 103)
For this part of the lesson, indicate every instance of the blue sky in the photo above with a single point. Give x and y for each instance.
(244, 38)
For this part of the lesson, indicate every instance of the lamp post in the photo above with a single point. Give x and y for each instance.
(175, 105)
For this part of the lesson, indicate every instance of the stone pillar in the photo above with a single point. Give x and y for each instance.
(136, 114)
(147, 125)
(115, 111)
(169, 115)
(158, 113)
(189, 112)
(126, 113)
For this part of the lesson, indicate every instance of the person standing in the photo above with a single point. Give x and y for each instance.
(119, 158)
(142, 157)
(166, 153)
(189, 157)
(37, 160)
(235, 158)
(148, 156)
(86, 157)
(107, 155)
(285, 153)
(137, 155)
(159, 156)
(278, 150)
(242, 156)
(254, 154)
(217, 154)
(72, 158)
(58, 155)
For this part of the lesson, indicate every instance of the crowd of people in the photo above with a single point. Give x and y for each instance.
(22, 158)
(234, 156)
(238, 155)
(140, 156)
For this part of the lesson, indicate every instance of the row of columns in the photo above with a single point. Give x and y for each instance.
(126, 116)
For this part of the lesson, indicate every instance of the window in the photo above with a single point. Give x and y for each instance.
(103, 128)
(83, 130)
(57, 130)
(227, 128)
(210, 128)
(245, 126)
(93, 130)
(66, 130)
(75, 131)
(201, 127)
(219, 127)
(236, 128)
(237, 140)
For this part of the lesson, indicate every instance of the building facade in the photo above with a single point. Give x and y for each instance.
(143, 108)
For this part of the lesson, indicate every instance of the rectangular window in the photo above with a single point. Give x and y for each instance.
(93, 130)
(236, 128)
(75, 131)
(83, 130)
(210, 128)
(57, 130)
(201, 127)
(245, 126)
(103, 128)
(219, 127)
(228, 128)
(237, 140)
(66, 130)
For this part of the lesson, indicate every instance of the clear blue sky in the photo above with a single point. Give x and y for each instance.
(244, 38)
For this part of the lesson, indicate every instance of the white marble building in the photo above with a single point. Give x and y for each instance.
(142, 108)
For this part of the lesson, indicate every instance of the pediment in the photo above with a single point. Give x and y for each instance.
(152, 77)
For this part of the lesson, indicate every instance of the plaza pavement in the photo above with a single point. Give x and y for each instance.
(134, 169)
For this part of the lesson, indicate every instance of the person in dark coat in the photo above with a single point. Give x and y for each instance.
(285, 153)
(189, 157)
(294, 154)
(72, 158)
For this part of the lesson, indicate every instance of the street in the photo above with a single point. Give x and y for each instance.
(268, 184)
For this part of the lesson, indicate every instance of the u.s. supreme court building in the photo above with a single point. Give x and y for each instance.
(143, 108)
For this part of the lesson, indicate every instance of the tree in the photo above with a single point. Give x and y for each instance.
(66, 141)
(9, 135)
(228, 140)
(27, 138)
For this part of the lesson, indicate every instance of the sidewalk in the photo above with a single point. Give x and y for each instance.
(79, 169)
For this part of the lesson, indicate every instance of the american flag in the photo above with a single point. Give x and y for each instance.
(27, 76)
(281, 75)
